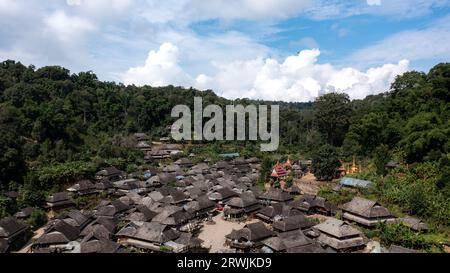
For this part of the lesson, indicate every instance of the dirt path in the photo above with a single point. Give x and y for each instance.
(213, 236)
(309, 184)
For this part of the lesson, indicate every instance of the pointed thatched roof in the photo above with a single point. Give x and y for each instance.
(337, 228)
(223, 194)
(244, 200)
(366, 208)
(414, 223)
(287, 240)
(184, 162)
(24, 213)
(82, 185)
(58, 232)
(276, 195)
(10, 227)
(150, 232)
(251, 232)
(75, 218)
(59, 198)
(99, 246)
(292, 223)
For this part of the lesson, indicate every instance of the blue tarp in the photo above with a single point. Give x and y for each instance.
(357, 183)
(230, 155)
(147, 174)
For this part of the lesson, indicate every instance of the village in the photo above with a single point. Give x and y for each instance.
(214, 207)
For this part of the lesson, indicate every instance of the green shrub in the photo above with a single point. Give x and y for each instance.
(337, 198)
(165, 248)
(37, 219)
(402, 235)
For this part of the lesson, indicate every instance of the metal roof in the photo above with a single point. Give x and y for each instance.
(358, 183)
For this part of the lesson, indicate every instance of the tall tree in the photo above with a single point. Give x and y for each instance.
(332, 114)
(12, 164)
(325, 161)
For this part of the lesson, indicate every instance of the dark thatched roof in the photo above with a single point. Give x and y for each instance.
(99, 246)
(70, 232)
(277, 195)
(10, 227)
(75, 218)
(251, 232)
(366, 208)
(58, 197)
(150, 232)
(24, 213)
(4, 245)
(287, 240)
(293, 222)
(337, 228)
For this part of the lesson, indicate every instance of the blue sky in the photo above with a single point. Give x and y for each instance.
(293, 50)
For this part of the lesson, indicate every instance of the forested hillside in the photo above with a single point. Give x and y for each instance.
(55, 125)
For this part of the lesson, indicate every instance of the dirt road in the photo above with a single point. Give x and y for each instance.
(214, 235)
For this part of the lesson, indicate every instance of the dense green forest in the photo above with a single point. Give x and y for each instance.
(56, 126)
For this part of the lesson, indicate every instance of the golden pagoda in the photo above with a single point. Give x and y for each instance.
(354, 167)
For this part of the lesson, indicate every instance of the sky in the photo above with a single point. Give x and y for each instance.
(289, 50)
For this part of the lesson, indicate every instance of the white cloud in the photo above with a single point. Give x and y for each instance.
(106, 8)
(8, 7)
(301, 78)
(68, 28)
(161, 68)
(73, 2)
(374, 2)
(297, 78)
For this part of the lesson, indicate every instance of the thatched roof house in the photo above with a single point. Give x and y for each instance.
(277, 210)
(400, 249)
(313, 204)
(285, 241)
(414, 223)
(274, 195)
(339, 235)
(200, 207)
(110, 173)
(93, 245)
(59, 200)
(57, 236)
(366, 212)
(100, 225)
(248, 237)
(292, 223)
(11, 229)
(245, 203)
(104, 185)
(83, 187)
(184, 162)
(75, 218)
(142, 213)
(149, 236)
(222, 194)
(24, 213)
(174, 197)
(112, 210)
